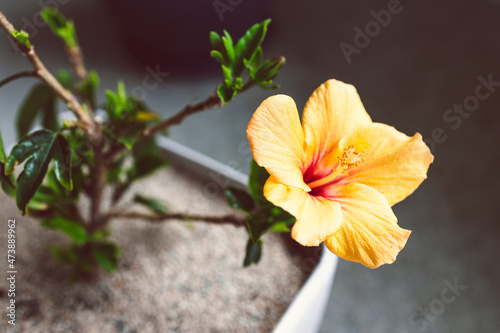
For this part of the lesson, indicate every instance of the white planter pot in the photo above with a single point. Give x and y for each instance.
(305, 313)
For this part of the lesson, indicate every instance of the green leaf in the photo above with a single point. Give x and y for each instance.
(148, 158)
(111, 101)
(65, 78)
(147, 165)
(238, 84)
(258, 224)
(155, 205)
(2, 149)
(129, 133)
(22, 37)
(62, 162)
(145, 116)
(280, 227)
(239, 199)
(80, 181)
(218, 56)
(253, 253)
(226, 94)
(35, 207)
(268, 218)
(254, 62)
(228, 75)
(121, 91)
(78, 141)
(58, 191)
(248, 45)
(38, 145)
(256, 180)
(49, 116)
(138, 104)
(216, 41)
(27, 146)
(72, 229)
(107, 255)
(279, 216)
(46, 194)
(89, 87)
(53, 18)
(227, 41)
(37, 99)
(257, 57)
(38, 149)
(7, 182)
(119, 106)
(128, 139)
(59, 25)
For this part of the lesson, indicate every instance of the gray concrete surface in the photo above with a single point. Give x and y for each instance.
(425, 60)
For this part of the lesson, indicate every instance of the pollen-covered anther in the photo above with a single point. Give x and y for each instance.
(353, 156)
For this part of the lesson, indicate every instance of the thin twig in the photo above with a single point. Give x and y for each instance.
(225, 219)
(75, 57)
(43, 74)
(211, 102)
(17, 76)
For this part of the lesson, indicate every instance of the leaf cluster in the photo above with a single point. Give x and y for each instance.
(22, 37)
(127, 116)
(60, 26)
(245, 55)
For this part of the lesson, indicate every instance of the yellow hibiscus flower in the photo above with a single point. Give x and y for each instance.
(339, 173)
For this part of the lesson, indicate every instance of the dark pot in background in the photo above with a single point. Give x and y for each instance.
(177, 31)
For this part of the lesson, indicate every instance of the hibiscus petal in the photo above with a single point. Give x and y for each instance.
(277, 140)
(317, 218)
(369, 233)
(382, 140)
(395, 163)
(332, 111)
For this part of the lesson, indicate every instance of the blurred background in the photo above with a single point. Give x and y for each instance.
(418, 65)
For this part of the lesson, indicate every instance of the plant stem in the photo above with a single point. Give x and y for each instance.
(43, 74)
(225, 219)
(98, 175)
(211, 102)
(247, 85)
(17, 76)
(75, 57)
